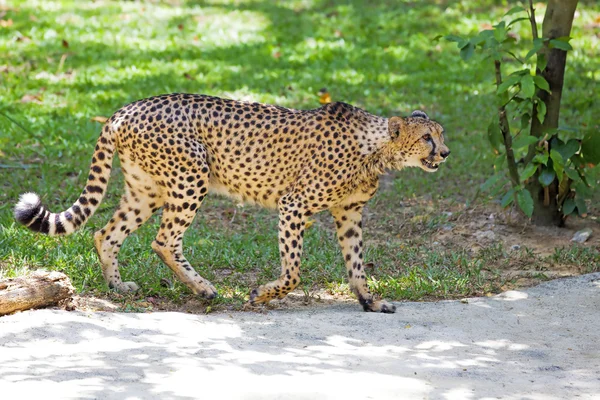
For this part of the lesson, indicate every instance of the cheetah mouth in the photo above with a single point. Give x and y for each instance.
(430, 165)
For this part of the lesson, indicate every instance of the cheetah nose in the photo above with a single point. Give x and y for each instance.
(445, 154)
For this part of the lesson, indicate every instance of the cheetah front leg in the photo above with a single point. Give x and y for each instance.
(291, 231)
(349, 233)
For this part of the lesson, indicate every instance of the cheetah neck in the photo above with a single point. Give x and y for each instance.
(381, 155)
(383, 159)
(372, 134)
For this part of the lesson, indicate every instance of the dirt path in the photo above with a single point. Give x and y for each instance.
(541, 343)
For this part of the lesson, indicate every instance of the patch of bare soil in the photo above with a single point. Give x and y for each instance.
(519, 253)
(534, 248)
(480, 228)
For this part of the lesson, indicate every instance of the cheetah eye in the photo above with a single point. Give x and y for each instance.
(427, 137)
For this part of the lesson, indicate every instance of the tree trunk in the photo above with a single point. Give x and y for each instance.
(558, 21)
(40, 289)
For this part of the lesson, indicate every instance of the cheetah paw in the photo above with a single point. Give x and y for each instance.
(379, 306)
(126, 287)
(256, 298)
(206, 291)
(386, 307)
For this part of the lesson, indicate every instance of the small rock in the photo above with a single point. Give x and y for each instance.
(582, 235)
(436, 243)
(447, 213)
(515, 247)
(447, 227)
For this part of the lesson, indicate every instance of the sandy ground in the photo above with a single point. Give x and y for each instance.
(540, 343)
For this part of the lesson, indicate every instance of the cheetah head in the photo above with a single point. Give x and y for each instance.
(417, 141)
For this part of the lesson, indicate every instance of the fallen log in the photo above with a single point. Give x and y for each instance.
(37, 290)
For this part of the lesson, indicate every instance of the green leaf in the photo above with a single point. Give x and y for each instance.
(561, 44)
(537, 45)
(496, 55)
(437, 38)
(581, 206)
(547, 177)
(524, 141)
(555, 142)
(541, 111)
(578, 161)
(495, 135)
(514, 21)
(499, 162)
(527, 86)
(507, 83)
(460, 41)
(453, 38)
(514, 10)
(572, 174)
(525, 202)
(525, 118)
(500, 32)
(559, 164)
(565, 39)
(481, 37)
(528, 171)
(508, 198)
(566, 150)
(556, 157)
(491, 182)
(542, 83)
(541, 158)
(530, 53)
(542, 61)
(467, 51)
(590, 148)
(568, 206)
(582, 190)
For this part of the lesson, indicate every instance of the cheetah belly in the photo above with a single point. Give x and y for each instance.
(266, 194)
(259, 173)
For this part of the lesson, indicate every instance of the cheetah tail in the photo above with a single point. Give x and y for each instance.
(30, 212)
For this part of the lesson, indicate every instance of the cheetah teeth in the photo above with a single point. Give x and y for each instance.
(429, 164)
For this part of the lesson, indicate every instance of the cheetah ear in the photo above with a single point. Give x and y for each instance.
(395, 126)
(419, 114)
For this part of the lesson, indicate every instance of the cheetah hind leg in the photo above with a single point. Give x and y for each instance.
(130, 215)
(178, 215)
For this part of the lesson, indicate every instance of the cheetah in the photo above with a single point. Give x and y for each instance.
(177, 148)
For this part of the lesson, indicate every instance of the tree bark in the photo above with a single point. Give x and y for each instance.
(506, 136)
(40, 289)
(558, 21)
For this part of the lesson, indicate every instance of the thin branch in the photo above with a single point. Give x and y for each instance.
(505, 129)
(515, 57)
(511, 99)
(534, 29)
(534, 33)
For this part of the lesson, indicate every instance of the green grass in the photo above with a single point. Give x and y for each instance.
(65, 62)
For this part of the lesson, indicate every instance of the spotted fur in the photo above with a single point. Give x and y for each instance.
(175, 149)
